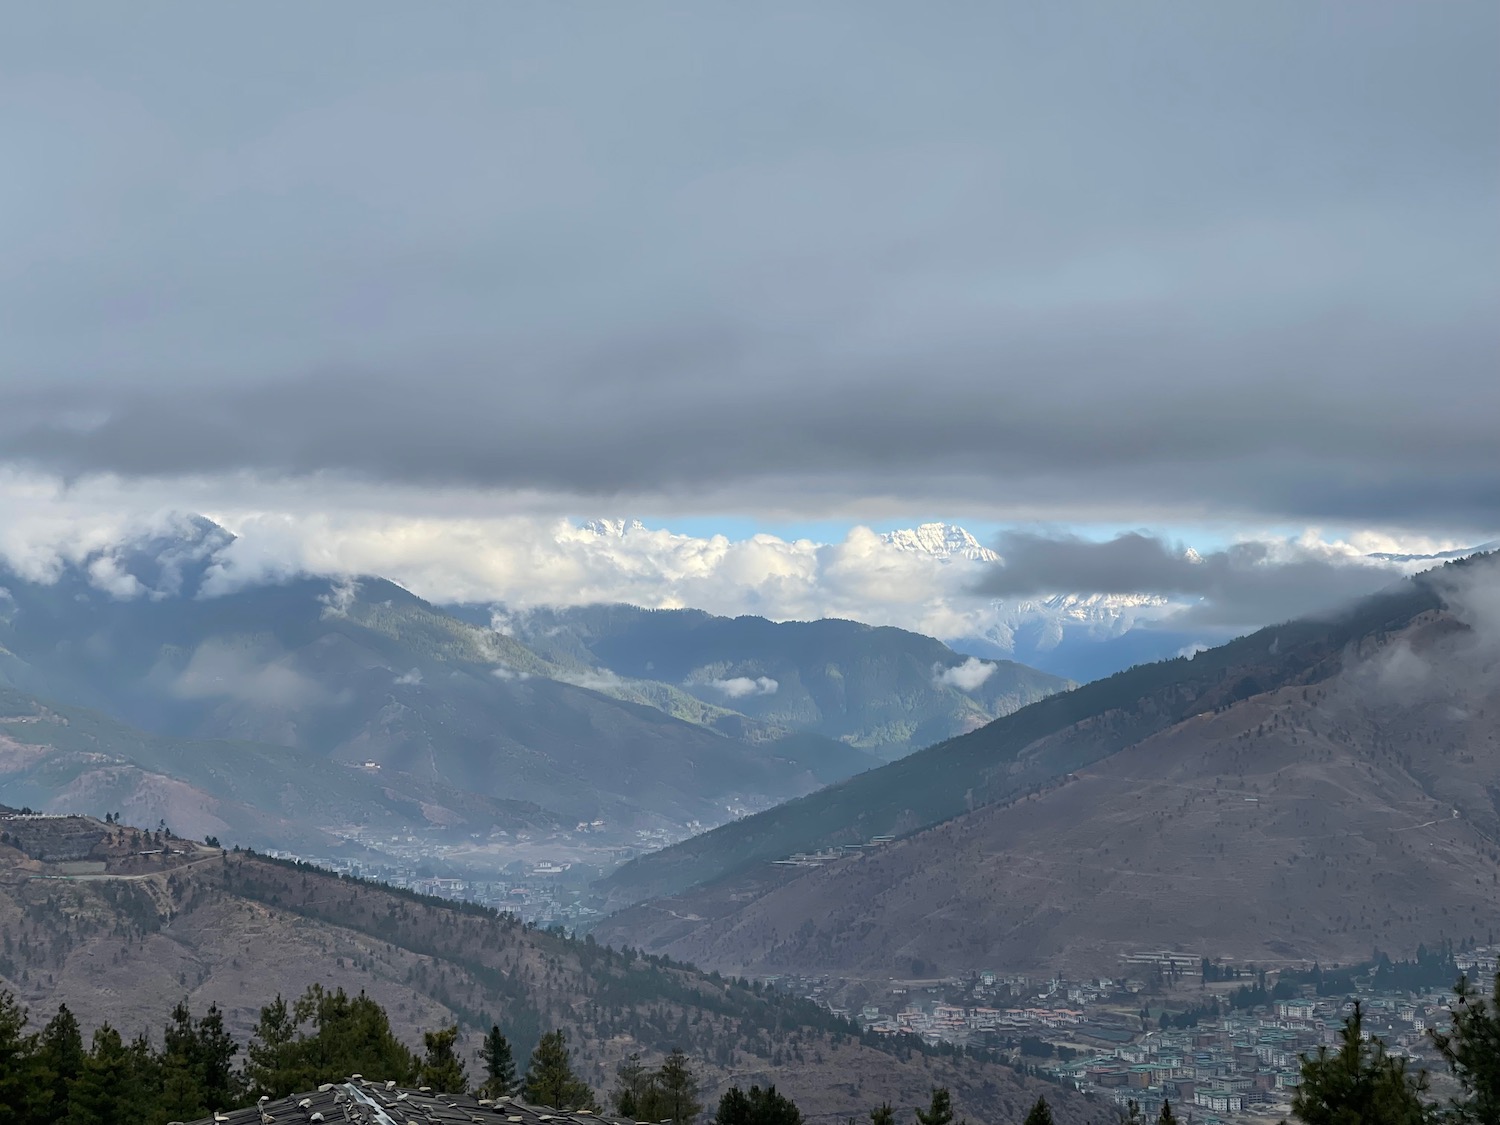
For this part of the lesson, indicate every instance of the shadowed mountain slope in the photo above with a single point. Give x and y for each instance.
(1310, 791)
(362, 671)
(60, 758)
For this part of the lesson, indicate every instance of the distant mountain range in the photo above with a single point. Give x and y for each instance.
(1076, 635)
(884, 690)
(1307, 792)
(57, 757)
(641, 721)
(941, 540)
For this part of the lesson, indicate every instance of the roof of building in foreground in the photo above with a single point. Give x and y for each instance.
(364, 1102)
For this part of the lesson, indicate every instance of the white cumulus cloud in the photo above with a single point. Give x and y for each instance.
(965, 677)
(742, 687)
(448, 546)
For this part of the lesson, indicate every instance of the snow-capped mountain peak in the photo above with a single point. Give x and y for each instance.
(941, 540)
(611, 529)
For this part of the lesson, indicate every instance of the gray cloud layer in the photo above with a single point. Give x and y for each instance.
(1246, 584)
(1215, 259)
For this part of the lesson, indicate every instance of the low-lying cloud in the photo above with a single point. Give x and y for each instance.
(440, 548)
(1246, 584)
(1441, 675)
(595, 679)
(221, 670)
(743, 687)
(968, 676)
(340, 598)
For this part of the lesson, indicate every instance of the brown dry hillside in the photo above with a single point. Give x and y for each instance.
(1315, 820)
(122, 936)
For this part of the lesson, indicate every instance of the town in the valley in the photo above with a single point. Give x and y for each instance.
(1222, 1043)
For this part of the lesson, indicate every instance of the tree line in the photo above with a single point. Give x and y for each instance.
(49, 1077)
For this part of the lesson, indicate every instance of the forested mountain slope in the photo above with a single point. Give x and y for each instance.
(120, 932)
(60, 758)
(886, 690)
(362, 670)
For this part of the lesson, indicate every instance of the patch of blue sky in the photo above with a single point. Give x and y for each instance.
(1203, 538)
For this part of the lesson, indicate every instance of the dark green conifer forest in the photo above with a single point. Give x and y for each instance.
(195, 1068)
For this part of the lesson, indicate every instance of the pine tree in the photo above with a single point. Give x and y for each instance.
(499, 1065)
(352, 1035)
(550, 1080)
(1166, 1116)
(1041, 1113)
(348, 1036)
(633, 1094)
(269, 1061)
(181, 1095)
(1359, 1084)
(112, 1088)
(734, 1108)
(143, 1087)
(757, 1107)
(676, 1090)
(940, 1111)
(216, 1049)
(883, 1114)
(441, 1067)
(18, 1062)
(1471, 1048)
(61, 1056)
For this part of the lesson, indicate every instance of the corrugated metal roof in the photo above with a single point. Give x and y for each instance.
(367, 1102)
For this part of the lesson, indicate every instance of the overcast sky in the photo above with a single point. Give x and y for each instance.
(1133, 265)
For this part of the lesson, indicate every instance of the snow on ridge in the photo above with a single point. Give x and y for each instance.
(941, 540)
(611, 529)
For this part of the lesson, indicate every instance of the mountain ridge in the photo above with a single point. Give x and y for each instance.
(129, 923)
(361, 670)
(1366, 745)
(987, 765)
(877, 688)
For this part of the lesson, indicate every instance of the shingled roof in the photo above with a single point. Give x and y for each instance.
(365, 1102)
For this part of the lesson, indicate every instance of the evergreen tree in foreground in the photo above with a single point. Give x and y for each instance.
(114, 1086)
(197, 1065)
(1041, 1113)
(669, 1093)
(18, 1072)
(633, 1091)
(883, 1114)
(322, 1037)
(499, 1065)
(441, 1067)
(1166, 1116)
(1471, 1048)
(1359, 1084)
(61, 1056)
(756, 1107)
(940, 1111)
(550, 1080)
(268, 1059)
(676, 1089)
